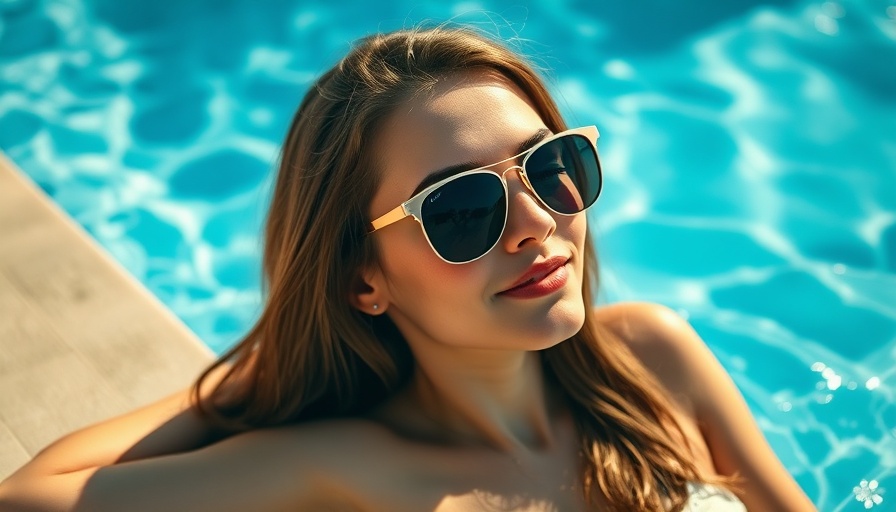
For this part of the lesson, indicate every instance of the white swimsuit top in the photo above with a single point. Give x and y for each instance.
(706, 498)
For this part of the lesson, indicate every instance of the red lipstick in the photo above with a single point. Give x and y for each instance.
(540, 279)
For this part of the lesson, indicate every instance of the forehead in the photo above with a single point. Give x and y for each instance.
(476, 117)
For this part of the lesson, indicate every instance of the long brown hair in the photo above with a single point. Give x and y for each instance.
(312, 355)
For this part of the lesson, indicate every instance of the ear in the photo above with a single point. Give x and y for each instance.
(368, 292)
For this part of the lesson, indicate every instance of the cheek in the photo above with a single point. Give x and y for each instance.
(574, 229)
(414, 271)
(402, 243)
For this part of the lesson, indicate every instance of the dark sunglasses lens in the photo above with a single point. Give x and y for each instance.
(464, 218)
(565, 173)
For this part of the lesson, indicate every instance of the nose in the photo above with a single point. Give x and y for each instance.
(528, 222)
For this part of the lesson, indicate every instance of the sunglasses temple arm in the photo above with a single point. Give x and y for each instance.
(395, 215)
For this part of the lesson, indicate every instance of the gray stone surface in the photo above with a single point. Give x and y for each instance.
(80, 339)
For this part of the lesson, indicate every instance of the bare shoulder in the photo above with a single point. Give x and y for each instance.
(362, 464)
(337, 445)
(662, 340)
(670, 348)
(640, 324)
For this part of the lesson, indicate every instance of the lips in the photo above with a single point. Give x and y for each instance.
(537, 272)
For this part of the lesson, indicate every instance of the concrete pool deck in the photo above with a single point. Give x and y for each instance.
(81, 340)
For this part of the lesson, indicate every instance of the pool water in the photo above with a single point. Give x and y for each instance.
(749, 152)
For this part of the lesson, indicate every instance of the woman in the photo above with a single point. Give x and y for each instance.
(453, 363)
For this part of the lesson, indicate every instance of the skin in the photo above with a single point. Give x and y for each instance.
(477, 428)
(477, 376)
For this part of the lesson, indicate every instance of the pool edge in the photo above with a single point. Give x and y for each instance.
(81, 339)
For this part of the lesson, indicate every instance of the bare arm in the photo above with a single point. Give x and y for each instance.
(260, 470)
(171, 425)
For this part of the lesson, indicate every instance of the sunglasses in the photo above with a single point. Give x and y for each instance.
(464, 216)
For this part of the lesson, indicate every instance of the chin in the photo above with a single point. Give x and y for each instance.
(562, 322)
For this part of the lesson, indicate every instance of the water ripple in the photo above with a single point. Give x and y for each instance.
(748, 151)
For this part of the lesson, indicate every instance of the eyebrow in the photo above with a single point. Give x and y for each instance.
(451, 170)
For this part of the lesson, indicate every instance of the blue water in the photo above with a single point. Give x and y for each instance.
(749, 150)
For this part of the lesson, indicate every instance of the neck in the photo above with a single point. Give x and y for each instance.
(492, 398)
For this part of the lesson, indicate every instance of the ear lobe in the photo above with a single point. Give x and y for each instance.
(366, 293)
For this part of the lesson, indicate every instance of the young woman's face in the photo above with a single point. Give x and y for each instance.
(477, 118)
